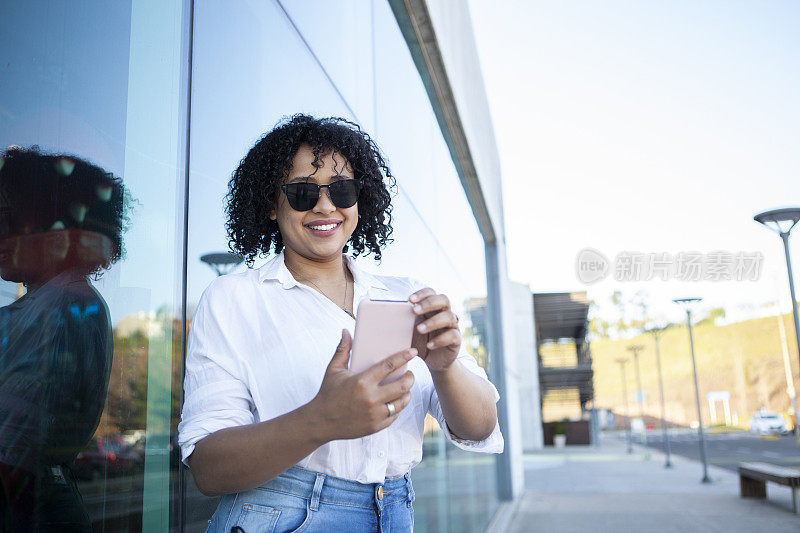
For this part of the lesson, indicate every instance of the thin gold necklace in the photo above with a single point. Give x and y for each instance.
(346, 284)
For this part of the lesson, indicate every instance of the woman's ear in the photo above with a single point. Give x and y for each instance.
(272, 215)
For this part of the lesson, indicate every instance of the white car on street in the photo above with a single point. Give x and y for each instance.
(766, 423)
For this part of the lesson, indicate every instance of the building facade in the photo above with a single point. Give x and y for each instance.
(161, 100)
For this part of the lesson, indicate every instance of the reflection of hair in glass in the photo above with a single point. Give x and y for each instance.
(50, 192)
(254, 184)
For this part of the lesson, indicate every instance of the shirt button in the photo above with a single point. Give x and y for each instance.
(380, 492)
(381, 454)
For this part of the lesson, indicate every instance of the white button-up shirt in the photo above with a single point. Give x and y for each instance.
(259, 345)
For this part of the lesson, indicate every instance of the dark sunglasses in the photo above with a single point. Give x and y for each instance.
(304, 195)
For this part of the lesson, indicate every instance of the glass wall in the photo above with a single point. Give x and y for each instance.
(273, 59)
(437, 240)
(91, 187)
(93, 193)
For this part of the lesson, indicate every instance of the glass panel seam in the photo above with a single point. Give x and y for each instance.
(317, 60)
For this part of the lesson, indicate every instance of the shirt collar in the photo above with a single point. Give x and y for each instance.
(275, 269)
(364, 278)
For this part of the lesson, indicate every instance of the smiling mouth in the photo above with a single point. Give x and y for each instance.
(324, 227)
(323, 230)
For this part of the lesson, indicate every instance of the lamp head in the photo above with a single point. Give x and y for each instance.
(687, 304)
(223, 262)
(655, 330)
(780, 221)
(621, 360)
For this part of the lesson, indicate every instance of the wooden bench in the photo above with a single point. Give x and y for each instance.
(753, 479)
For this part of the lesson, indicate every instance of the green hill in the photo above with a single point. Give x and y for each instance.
(744, 358)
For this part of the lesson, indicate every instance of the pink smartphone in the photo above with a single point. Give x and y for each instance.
(383, 328)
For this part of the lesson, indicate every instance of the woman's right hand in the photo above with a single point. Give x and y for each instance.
(350, 405)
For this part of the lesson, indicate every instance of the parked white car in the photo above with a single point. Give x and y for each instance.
(766, 423)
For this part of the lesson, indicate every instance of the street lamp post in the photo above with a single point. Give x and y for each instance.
(622, 361)
(787, 369)
(656, 334)
(222, 262)
(687, 303)
(635, 350)
(781, 221)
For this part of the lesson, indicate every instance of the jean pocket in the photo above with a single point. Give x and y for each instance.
(295, 519)
(256, 518)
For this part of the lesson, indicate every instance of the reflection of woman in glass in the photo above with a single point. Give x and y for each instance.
(60, 221)
(269, 400)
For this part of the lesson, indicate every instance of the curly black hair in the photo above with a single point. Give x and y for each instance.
(44, 192)
(253, 187)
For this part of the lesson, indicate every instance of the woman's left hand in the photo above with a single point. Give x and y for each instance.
(436, 335)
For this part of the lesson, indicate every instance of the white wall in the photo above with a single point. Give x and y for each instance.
(454, 34)
(526, 366)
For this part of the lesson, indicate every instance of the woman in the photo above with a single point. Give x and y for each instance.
(61, 220)
(273, 419)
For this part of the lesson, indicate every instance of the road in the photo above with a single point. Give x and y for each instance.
(727, 450)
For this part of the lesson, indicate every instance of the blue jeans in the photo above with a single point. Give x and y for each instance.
(302, 500)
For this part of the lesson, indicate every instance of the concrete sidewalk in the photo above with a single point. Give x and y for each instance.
(604, 489)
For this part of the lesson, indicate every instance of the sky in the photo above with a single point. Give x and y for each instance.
(646, 127)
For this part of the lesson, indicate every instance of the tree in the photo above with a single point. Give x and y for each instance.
(643, 318)
(599, 328)
(619, 302)
(713, 315)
